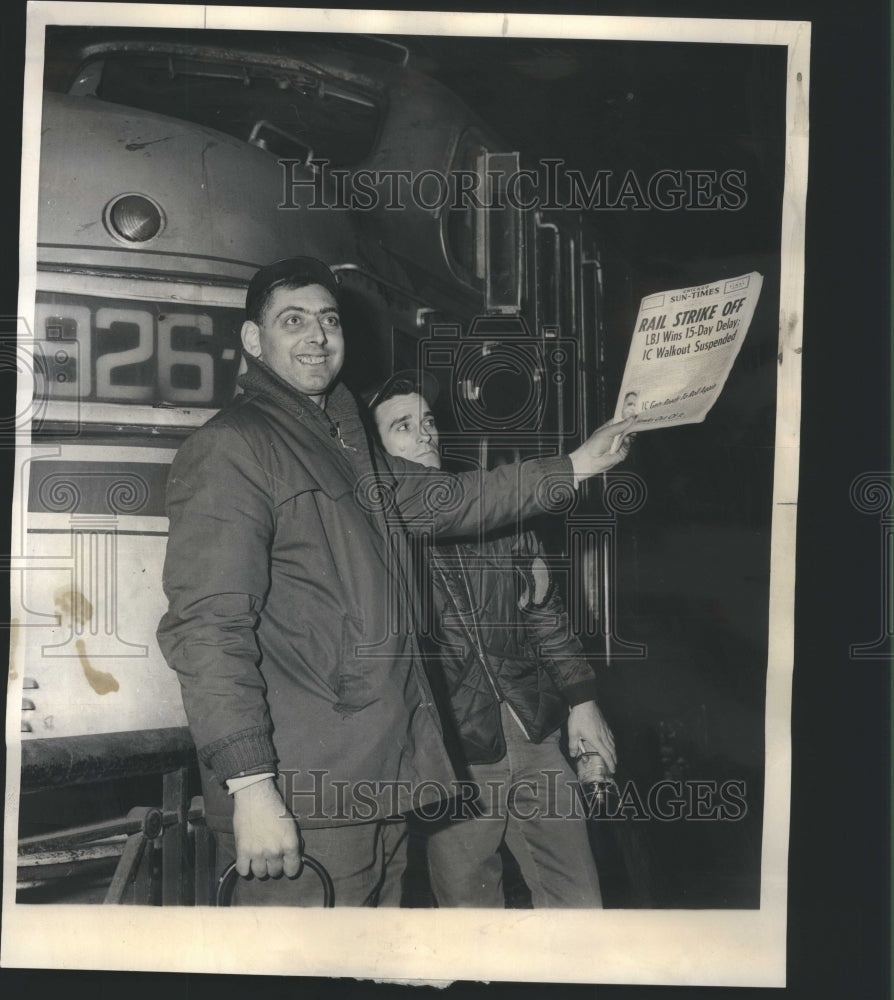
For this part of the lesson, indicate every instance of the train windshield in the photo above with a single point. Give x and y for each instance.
(290, 111)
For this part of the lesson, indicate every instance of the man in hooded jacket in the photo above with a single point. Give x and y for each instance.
(510, 672)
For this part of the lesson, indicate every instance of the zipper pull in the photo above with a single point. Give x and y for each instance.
(336, 432)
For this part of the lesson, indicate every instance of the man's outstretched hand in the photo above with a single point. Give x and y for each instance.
(267, 838)
(595, 454)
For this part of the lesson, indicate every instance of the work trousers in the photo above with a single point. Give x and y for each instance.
(529, 800)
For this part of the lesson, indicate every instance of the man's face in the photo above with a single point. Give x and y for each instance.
(408, 430)
(300, 338)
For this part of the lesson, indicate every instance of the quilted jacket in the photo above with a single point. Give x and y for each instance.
(496, 641)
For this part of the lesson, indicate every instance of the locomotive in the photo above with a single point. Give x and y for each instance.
(172, 166)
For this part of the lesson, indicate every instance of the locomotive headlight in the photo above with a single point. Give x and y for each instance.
(133, 218)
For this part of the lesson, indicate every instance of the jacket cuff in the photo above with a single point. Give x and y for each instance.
(577, 694)
(242, 752)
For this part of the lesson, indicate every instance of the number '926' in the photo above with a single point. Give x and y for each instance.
(121, 351)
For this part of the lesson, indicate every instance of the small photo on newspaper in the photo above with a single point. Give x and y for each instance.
(684, 345)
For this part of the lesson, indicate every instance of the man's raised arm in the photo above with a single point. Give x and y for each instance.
(462, 505)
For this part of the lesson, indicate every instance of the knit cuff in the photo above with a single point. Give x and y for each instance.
(240, 753)
(577, 694)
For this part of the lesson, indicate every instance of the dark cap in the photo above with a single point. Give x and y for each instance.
(403, 383)
(296, 272)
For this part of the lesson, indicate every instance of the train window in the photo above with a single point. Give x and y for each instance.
(286, 110)
(465, 213)
(549, 275)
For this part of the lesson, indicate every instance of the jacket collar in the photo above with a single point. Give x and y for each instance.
(341, 406)
(261, 380)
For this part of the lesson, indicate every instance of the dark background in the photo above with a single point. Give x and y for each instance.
(692, 580)
(838, 939)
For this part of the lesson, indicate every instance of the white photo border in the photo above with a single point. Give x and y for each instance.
(692, 947)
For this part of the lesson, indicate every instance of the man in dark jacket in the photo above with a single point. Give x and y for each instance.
(282, 582)
(511, 673)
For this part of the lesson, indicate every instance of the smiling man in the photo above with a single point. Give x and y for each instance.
(279, 574)
(298, 334)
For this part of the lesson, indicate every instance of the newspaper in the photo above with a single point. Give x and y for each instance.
(683, 348)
